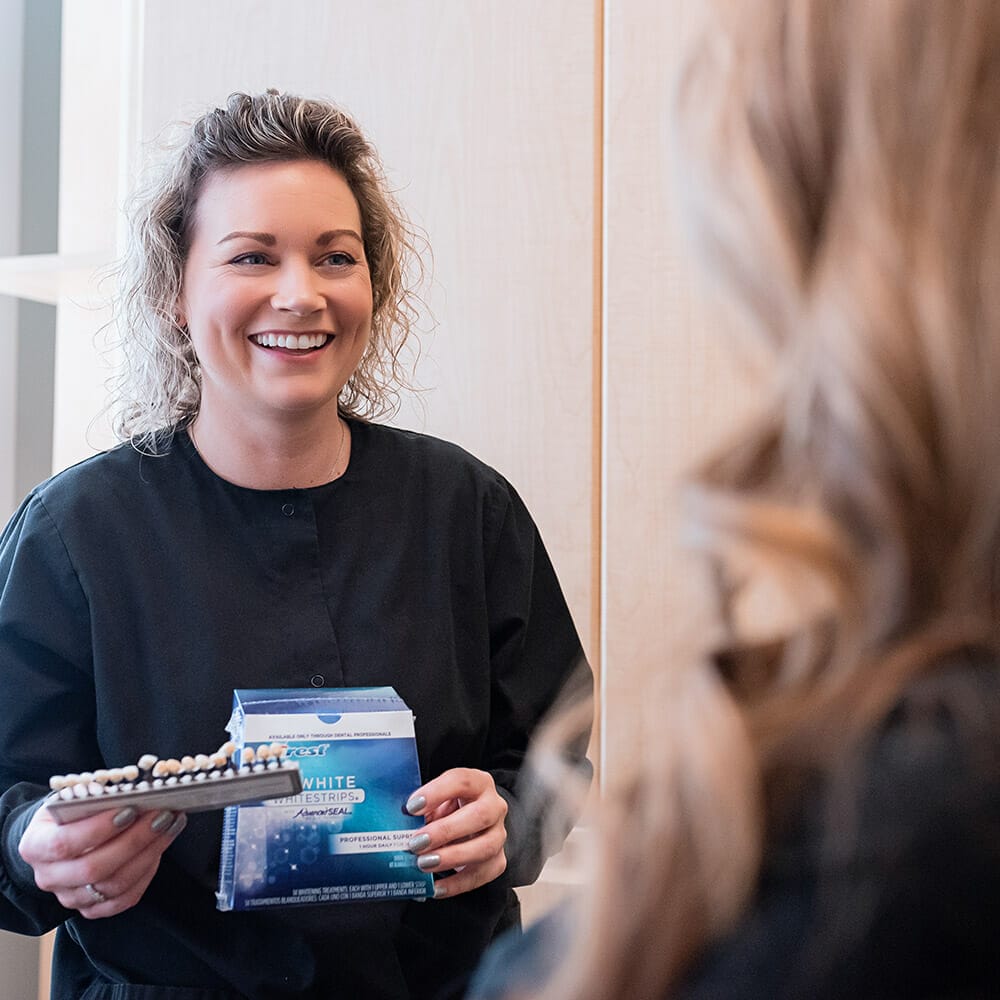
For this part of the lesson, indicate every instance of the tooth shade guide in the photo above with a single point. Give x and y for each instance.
(194, 796)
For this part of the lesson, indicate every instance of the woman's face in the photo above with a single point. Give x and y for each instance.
(276, 291)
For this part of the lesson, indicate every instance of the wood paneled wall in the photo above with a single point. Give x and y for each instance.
(672, 390)
(566, 342)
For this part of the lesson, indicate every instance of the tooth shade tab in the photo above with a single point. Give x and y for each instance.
(291, 341)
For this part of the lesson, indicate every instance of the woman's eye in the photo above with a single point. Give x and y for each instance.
(250, 258)
(339, 259)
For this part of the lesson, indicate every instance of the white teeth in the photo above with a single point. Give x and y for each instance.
(291, 341)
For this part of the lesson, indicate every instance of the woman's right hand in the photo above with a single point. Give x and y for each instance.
(100, 865)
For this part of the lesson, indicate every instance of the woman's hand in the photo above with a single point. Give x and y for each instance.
(100, 865)
(464, 832)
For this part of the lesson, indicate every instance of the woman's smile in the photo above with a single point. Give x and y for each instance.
(290, 342)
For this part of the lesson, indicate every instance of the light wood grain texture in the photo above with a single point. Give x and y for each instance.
(671, 387)
(45, 965)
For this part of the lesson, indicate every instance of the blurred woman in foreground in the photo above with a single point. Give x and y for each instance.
(821, 818)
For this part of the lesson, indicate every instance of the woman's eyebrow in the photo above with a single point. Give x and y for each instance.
(268, 239)
(331, 234)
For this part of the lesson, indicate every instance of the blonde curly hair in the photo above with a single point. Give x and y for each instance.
(840, 172)
(159, 384)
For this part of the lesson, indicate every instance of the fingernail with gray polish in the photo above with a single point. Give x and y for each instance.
(418, 843)
(440, 892)
(163, 821)
(177, 825)
(125, 817)
(426, 862)
(415, 804)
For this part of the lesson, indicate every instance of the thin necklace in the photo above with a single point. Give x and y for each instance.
(340, 448)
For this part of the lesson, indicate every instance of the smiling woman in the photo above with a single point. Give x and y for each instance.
(160, 383)
(277, 301)
(256, 530)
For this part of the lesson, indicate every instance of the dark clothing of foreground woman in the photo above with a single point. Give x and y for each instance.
(902, 904)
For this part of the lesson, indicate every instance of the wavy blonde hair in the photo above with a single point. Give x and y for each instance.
(159, 386)
(842, 178)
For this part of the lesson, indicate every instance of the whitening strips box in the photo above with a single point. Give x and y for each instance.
(343, 837)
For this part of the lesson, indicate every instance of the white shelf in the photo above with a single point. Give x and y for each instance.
(53, 278)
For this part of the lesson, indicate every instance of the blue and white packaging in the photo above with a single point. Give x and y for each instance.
(343, 837)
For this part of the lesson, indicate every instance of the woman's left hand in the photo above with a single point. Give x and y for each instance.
(465, 830)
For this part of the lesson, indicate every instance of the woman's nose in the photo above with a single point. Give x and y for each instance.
(297, 290)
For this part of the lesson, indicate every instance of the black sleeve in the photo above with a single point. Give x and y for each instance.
(47, 715)
(537, 664)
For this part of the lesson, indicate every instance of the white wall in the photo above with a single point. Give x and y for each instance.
(94, 46)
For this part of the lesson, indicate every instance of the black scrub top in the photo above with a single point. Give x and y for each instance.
(137, 592)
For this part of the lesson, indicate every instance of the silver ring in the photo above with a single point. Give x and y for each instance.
(95, 894)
